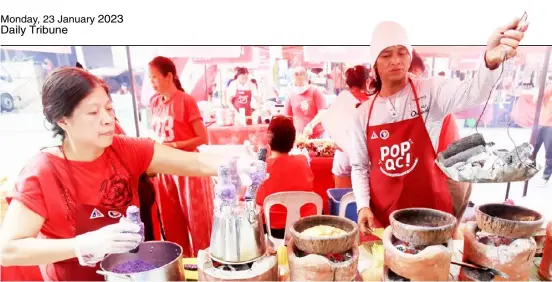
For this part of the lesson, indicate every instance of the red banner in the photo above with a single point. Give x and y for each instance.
(296, 57)
(263, 58)
(246, 56)
(338, 54)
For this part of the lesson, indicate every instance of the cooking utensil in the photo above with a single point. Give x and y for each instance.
(238, 235)
(167, 256)
(508, 221)
(422, 226)
(493, 271)
(325, 245)
(373, 232)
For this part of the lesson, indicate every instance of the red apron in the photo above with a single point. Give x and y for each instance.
(242, 100)
(86, 219)
(403, 173)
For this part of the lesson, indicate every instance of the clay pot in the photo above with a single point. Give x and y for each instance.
(467, 274)
(515, 260)
(508, 221)
(206, 271)
(431, 264)
(545, 267)
(325, 245)
(318, 268)
(421, 226)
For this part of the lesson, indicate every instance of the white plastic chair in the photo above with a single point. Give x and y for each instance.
(293, 201)
(347, 199)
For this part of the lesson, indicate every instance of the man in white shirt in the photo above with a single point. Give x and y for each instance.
(396, 132)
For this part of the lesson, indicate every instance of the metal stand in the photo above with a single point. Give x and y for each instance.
(542, 86)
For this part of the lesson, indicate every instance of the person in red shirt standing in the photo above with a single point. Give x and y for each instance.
(286, 173)
(460, 192)
(304, 103)
(71, 198)
(241, 92)
(177, 122)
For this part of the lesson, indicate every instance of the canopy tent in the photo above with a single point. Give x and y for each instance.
(47, 49)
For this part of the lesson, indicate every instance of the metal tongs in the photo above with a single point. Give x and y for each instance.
(373, 232)
(493, 271)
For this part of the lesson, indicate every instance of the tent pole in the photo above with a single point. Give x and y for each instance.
(133, 91)
(542, 85)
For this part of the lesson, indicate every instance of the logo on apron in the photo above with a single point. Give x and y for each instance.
(384, 134)
(114, 214)
(374, 136)
(242, 99)
(396, 160)
(96, 214)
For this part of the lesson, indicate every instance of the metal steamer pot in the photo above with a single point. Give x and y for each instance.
(166, 255)
(238, 237)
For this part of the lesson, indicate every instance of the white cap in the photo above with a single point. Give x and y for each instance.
(387, 34)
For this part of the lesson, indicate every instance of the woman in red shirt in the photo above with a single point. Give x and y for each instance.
(177, 122)
(286, 173)
(305, 103)
(71, 198)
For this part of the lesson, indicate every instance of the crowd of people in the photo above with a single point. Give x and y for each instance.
(71, 197)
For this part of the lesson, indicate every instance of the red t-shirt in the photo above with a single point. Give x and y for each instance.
(172, 119)
(449, 133)
(38, 188)
(304, 107)
(286, 174)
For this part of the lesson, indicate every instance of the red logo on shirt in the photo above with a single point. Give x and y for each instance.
(116, 192)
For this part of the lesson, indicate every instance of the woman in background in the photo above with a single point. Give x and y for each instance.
(177, 122)
(241, 92)
(280, 166)
(305, 103)
(356, 79)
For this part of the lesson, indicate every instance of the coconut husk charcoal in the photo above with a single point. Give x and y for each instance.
(462, 145)
(463, 156)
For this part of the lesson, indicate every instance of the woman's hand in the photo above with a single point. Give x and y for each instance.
(366, 221)
(504, 42)
(308, 130)
(170, 144)
(117, 238)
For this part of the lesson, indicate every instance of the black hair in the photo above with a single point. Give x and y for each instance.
(165, 66)
(281, 133)
(417, 62)
(357, 76)
(240, 71)
(63, 89)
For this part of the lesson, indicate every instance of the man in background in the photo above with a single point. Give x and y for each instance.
(544, 136)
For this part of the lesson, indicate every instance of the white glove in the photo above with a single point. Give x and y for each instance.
(91, 247)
